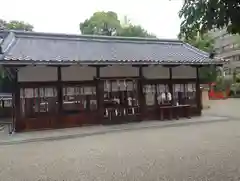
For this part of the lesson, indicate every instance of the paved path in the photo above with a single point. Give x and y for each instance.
(194, 152)
(60, 134)
(229, 107)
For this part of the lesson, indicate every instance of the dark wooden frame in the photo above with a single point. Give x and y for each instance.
(62, 120)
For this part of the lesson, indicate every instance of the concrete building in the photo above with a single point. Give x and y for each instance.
(227, 46)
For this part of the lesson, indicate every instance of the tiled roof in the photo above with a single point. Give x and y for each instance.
(32, 47)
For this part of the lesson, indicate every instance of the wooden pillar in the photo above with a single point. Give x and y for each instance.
(59, 89)
(99, 95)
(171, 84)
(97, 86)
(198, 91)
(140, 92)
(17, 126)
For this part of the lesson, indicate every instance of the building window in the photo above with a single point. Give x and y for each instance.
(6, 102)
(163, 94)
(121, 92)
(120, 97)
(157, 94)
(191, 94)
(35, 101)
(79, 98)
(184, 94)
(150, 94)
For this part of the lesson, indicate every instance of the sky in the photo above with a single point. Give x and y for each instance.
(159, 17)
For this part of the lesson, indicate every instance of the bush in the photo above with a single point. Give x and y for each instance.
(223, 83)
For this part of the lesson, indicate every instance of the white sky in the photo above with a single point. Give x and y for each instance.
(63, 16)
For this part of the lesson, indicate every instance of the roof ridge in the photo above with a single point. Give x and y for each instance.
(91, 37)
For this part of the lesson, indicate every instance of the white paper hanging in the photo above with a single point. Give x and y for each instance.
(28, 92)
(189, 87)
(41, 92)
(177, 87)
(130, 85)
(87, 91)
(114, 86)
(122, 86)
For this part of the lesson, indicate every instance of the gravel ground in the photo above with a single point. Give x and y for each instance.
(229, 107)
(194, 152)
(204, 152)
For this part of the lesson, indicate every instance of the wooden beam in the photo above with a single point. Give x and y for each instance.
(59, 89)
(171, 83)
(99, 94)
(198, 66)
(198, 91)
(14, 66)
(16, 103)
(140, 65)
(170, 73)
(58, 65)
(97, 66)
(171, 66)
(140, 92)
(98, 86)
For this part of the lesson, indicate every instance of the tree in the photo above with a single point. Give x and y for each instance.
(5, 82)
(206, 43)
(134, 31)
(15, 25)
(203, 42)
(19, 25)
(3, 24)
(107, 23)
(205, 15)
(101, 23)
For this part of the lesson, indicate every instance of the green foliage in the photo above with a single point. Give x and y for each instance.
(134, 31)
(3, 24)
(222, 83)
(235, 87)
(204, 15)
(107, 23)
(5, 82)
(202, 42)
(19, 25)
(205, 43)
(208, 74)
(15, 25)
(236, 77)
(101, 23)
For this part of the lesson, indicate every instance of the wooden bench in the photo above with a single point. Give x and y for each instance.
(174, 111)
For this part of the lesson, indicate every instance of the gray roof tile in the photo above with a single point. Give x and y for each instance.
(44, 47)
